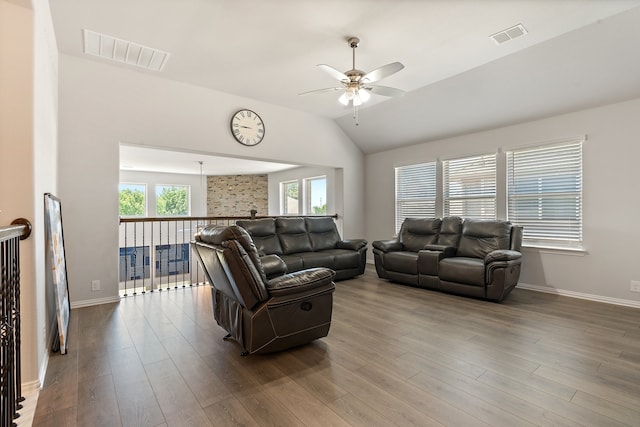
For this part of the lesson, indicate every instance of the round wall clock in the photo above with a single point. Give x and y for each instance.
(247, 127)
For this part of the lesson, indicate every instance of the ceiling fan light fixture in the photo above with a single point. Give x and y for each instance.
(364, 95)
(343, 99)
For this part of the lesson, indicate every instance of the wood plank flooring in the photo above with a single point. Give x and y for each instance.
(395, 356)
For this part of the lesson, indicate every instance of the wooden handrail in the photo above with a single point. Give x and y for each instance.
(215, 218)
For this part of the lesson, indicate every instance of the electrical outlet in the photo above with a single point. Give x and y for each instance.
(95, 285)
(635, 286)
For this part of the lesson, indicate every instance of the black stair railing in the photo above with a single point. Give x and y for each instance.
(10, 378)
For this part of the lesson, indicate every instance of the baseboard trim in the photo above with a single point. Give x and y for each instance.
(97, 301)
(31, 387)
(580, 295)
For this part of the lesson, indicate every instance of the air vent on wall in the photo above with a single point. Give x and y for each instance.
(124, 51)
(509, 34)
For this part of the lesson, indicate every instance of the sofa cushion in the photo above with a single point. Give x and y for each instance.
(450, 231)
(263, 232)
(317, 259)
(469, 271)
(403, 261)
(344, 258)
(293, 261)
(323, 233)
(293, 235)
(479, 237)
(418, 232)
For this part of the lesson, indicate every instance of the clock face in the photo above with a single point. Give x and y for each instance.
(247, 127)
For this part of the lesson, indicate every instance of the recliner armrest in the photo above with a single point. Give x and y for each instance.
(388, 245)
(447, 251)
(300, 281)
(502, 255)
(273, 266)
(352, 244)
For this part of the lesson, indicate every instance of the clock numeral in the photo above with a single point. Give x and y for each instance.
(248, 113)
(260, 130)
(236, 131)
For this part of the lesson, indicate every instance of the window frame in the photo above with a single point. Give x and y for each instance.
(145, 201)
(478, 191)
(283, 198)
(565, 183)
(401, 213)
(307, 194)
(187, 186)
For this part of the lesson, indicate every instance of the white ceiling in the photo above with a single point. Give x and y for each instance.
(145, 159)
(577, 54)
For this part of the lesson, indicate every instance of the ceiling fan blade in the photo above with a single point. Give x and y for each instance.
(382, 72)
(328, 89)
(338, 75)
(385, 90)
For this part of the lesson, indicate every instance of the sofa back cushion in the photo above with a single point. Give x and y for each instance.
(293, 235)
(323, 233)
(263, 232)
(479, 237)
(416, 233)
(450, 231)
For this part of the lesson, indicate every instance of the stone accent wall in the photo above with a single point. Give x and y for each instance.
(236, 195)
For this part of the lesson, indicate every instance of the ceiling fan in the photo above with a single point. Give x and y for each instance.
(357, 84)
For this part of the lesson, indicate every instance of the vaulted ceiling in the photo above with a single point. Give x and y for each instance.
(576, 54)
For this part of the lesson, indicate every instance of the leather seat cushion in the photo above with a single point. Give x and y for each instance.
(469, 271)
(402, 261)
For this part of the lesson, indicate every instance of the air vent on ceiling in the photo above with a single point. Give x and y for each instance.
(509, 34)
(124, 51)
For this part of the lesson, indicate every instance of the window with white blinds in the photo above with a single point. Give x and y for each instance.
(469, 186)
(415, 192)
(544, 188)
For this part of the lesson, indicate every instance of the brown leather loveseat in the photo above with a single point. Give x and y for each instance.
(308, 242)
(477, 258)
(264, 311)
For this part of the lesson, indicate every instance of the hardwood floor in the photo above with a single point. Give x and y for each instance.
(395, 356)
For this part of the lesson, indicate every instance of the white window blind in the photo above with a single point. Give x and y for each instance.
(544, 186)
(470, 187)
(415, 192)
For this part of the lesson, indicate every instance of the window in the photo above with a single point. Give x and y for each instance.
(172, 200)
(544, 187)
(133, 200)
(316, 196)
(289, 198)
(415, 192)
(470, 187)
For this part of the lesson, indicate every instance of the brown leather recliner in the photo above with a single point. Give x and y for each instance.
(262, 307)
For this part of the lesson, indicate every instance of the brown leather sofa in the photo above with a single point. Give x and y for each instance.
(262, 314)
(477, 258)
(308, 242)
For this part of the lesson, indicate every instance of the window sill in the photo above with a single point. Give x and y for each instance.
(556, 250)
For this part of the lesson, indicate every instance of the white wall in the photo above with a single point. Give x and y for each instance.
(611, 206)
(28, 143)
(102, 105)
